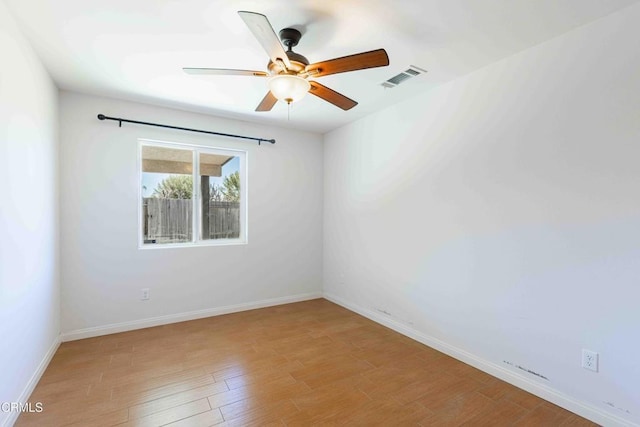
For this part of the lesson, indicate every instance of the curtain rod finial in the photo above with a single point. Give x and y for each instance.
(101, 117)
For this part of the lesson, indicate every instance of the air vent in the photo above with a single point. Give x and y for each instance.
(410, 72)
(399, 78)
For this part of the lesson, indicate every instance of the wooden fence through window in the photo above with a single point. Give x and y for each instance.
(169, 220)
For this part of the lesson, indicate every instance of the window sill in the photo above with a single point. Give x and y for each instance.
(221, 242)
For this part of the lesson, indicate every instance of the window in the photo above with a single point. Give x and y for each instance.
(191, 195)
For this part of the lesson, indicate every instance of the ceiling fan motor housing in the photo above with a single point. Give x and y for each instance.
(298, 64)
(290, 38)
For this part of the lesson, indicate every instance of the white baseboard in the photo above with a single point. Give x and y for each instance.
(583, 409)
(182, 317)
(33, 381)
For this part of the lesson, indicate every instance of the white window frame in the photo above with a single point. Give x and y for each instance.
(196, 234)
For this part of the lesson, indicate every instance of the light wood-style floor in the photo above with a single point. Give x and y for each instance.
(297, 364)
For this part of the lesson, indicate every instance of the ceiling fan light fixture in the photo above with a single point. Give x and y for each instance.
(289, 69)
(288, 87)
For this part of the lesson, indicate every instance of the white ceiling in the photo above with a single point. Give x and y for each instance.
(135, 49)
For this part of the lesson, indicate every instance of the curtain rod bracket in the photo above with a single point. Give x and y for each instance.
(120, 120)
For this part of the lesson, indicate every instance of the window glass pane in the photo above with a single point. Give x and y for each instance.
(167, 194)
(220, 202)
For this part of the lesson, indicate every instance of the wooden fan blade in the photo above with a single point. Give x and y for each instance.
(359, 61)
(267, 102)
(224, 72)
(331, 96)
(263, 31)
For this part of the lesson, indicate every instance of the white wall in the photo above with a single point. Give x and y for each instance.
(29, 274)
(498, 216)
(102, 268)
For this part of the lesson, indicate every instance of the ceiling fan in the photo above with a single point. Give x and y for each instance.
(289, 72)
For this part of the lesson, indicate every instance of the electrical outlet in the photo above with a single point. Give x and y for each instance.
(144, 294)
(590, 360)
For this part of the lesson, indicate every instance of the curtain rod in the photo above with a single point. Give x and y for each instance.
(119, 120)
